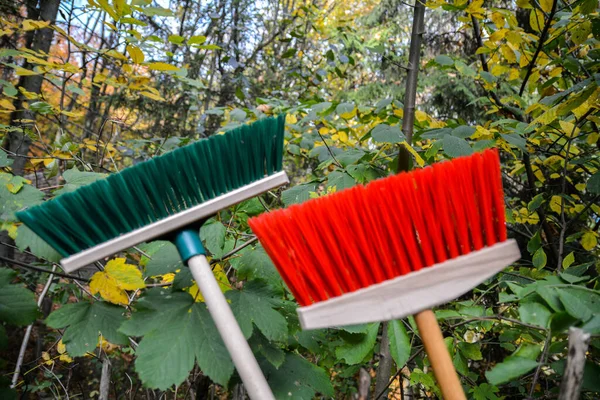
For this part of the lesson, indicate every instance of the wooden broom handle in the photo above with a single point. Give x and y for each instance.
(440, 360)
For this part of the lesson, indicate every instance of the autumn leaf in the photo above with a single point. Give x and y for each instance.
(161, 66)
(136, 54)
(589, 240)
(116, 278)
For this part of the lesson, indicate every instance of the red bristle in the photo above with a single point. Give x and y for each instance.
(403, 223)
(412, 195)
(330, 236)
(484, 200)
(273, 246)
(361, 236)
(324, 275)
(465, 171)
(459, 214)
(355, 238)
(494, 175)
(351, 254)
(380, 240)
(444, 209)
(380, 192)
(424, 179)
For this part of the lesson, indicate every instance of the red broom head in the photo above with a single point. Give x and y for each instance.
(364, 235)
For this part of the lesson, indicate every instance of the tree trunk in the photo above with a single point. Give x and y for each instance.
(19, 142)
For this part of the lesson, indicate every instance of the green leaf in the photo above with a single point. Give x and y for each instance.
(298, 379)
(536, 202)
(444, 60)
(593, 183)
(539, 258)
(254, 263)
(297, 194)
(464, 69)
(485, 392)
(274, 354)
(384, 133)
(350, 156)
(26, 238)
(575, 306)
(84, 322)
(463, 131)
(341, 180)
(472, 351)
(535, 314)
(511, 368)
(399, 342)
(176, 39)
(254, 305)
(176, 331)
(12, 202)
(568, 260)
(289, 53)
(346, 110)
(358, 346)
(196, 40)
(76, 178)
(160, 11)
(515, 140)
(238, 114)
(17, 304)
(213, 236)
(4, 160)
(164, 261)
(456, 147)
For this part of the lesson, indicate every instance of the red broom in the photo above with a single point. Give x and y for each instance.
(395, 247)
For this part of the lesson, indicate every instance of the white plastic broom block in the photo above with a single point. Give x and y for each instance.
(409, 294)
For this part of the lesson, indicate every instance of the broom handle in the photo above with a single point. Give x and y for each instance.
(241, 354)
(443, 368)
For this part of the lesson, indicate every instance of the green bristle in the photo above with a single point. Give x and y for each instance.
(163, 186)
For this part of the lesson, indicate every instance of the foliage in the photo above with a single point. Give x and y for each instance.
(124, 81)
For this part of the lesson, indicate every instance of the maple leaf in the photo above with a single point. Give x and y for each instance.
(115, 280)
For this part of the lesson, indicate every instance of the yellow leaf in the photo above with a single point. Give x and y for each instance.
(589, 241)
(116, 278)
(498, 35)
(581, 31)
(508, 53)
(6, 104)
(593, 138)
(290, 119)
(555, 203)
(323, 130)
(221, 277)
(546, 5)
(136, 54)
(514, 74)
(420, 116)
(569, 128)
(524, 4)
(514, 38)
(498, 19)
(343, 136)
(30, 24)
(412, 151)
(25, 72)
(46, 358)
(398, 112)
(498, 69)
(127, 275)
(161, 66)
(152, 96)
(556, 72)
(60, 347)
(536, 20)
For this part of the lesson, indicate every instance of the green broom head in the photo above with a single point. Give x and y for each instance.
(155, 189)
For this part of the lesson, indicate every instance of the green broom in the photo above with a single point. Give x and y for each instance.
(171, 195)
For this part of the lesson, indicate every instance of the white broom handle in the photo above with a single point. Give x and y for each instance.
(241, 354)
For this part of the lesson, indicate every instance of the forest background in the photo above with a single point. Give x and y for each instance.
(88, 88)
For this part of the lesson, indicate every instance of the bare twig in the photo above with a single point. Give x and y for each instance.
(38, 269)
(28, 330)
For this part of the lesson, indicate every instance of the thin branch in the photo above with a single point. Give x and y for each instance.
(38, 269)
(25, 341)
(493, 318)
(543, 37)
(542, 361)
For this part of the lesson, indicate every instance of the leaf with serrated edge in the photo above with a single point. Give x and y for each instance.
(254, 305)
(85, 322)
